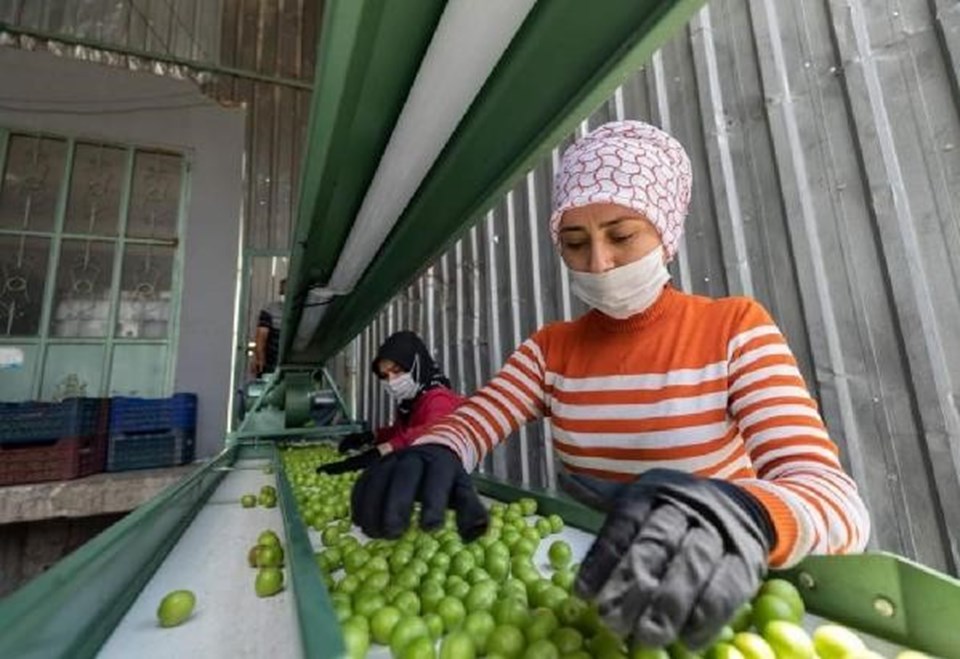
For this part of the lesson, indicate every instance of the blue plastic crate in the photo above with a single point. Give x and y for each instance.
(32, 422)
(147, 450)
(179, 412)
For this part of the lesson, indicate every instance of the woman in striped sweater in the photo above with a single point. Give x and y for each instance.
(685, 418)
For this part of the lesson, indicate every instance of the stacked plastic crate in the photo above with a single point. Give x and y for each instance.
(52, 441)
(152, 432)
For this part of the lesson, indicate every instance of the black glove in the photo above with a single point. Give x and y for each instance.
(361, 461)
(356, 440)
(676, 556)
(383, 497)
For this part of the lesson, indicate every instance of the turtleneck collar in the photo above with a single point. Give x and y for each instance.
(640, 321)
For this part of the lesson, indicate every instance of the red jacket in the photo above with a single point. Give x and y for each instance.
(432, 405)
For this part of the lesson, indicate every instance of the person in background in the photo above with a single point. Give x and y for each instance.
(422, 394)
(684, 418)
(267, 339)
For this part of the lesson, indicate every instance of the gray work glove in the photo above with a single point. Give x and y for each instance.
(677, 555)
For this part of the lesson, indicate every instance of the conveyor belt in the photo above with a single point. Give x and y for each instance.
(102, 600)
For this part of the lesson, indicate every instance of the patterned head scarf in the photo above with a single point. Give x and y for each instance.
(632, 164)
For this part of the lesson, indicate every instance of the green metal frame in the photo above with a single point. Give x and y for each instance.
(319, 629)
(565, 60)
(57, 235)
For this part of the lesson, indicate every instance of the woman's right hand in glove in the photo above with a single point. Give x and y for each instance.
(383, 497)
(356, 440)
(676, 556)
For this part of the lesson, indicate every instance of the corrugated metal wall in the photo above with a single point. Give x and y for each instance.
(827, 183)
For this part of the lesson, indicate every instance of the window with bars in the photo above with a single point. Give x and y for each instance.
(89, 261)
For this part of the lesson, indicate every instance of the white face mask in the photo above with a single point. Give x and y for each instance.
(401, 387)
(625, 291)
(404, 386)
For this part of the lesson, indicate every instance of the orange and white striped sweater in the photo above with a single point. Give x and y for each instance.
(695, 384)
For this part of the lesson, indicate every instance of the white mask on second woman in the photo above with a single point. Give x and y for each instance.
(624, 291)
(401, 387)
(404, 386)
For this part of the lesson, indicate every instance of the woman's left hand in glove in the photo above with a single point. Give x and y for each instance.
(677, 555)
(354, 463)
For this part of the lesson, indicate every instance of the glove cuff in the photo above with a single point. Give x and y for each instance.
(752, 506)
(784, 521)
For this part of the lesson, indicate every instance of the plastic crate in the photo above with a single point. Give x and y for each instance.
(57, 460)
(179, 412)
(47, 422)
(146, 450)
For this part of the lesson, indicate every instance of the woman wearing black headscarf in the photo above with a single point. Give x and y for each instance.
(422, 393)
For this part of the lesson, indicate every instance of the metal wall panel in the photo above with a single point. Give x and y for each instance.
(824, 138)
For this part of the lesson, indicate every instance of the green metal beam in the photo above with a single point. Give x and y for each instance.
(564, 62)
(206, 67)
(368, 55)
